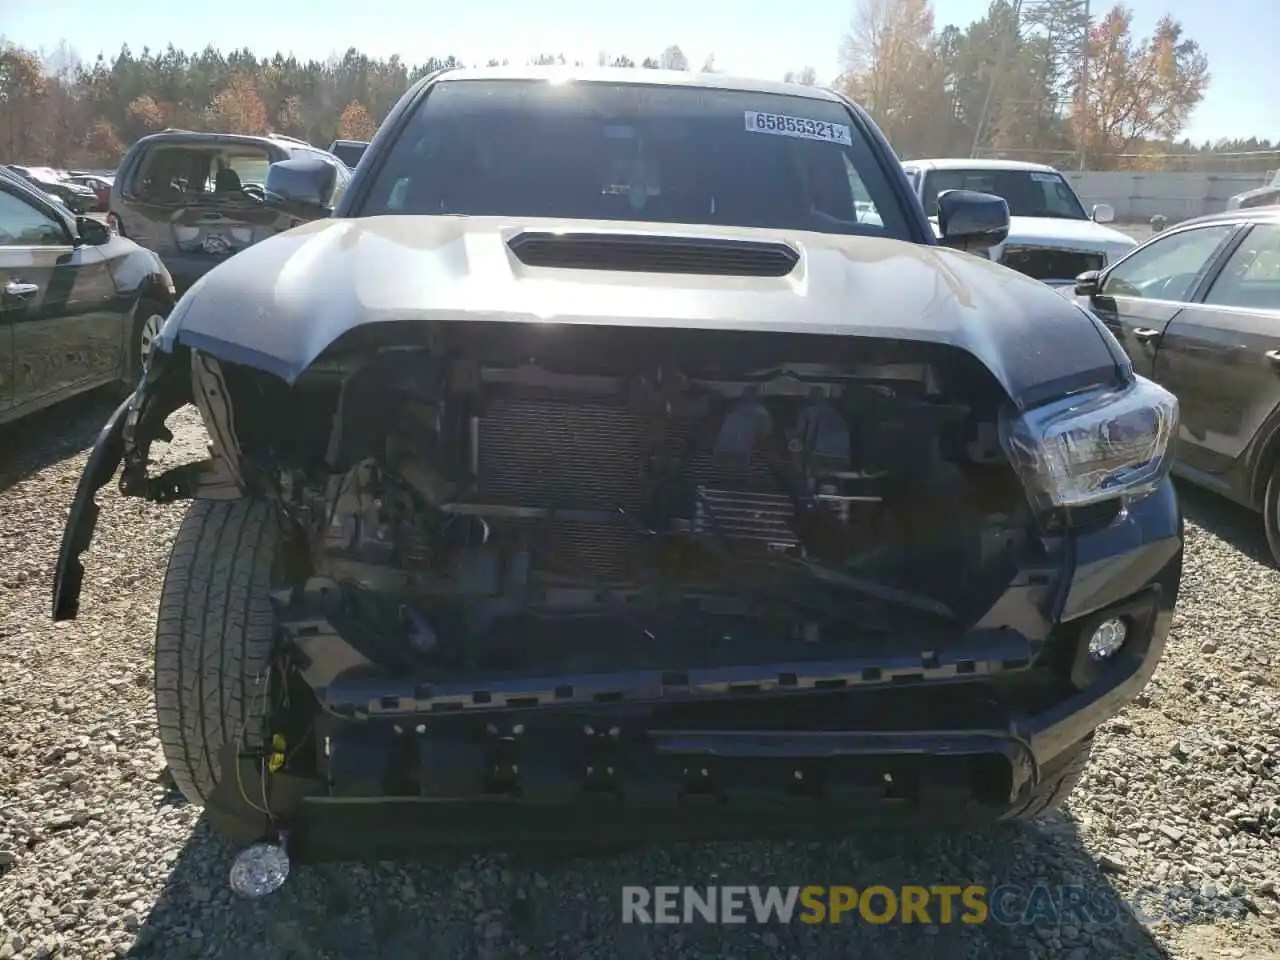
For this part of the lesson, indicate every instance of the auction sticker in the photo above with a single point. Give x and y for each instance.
(782, 126)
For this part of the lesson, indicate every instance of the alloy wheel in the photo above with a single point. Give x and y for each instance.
(150, 330)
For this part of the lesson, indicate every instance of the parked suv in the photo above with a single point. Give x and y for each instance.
(349, 151)
(198, 198)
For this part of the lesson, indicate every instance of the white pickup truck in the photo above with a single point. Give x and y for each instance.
(1260, 197)
(1051, 237)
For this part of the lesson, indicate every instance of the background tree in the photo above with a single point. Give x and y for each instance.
(22, 94)
(289, 116)
(890, 67)
(1136, 91)
(807, 77)
(1007, 88)
(673, 58)
(1013, 84)
(145, 112)
(239, 108)
(102, 140)
(355, 122)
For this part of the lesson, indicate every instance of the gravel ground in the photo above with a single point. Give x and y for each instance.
(99, 858)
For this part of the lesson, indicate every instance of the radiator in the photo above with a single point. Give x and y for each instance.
(594, 455)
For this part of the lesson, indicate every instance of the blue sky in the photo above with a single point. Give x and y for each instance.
(751, 37)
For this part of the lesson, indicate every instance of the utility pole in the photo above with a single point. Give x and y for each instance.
(1047, 20)
(1001, 59)
(1082, 98)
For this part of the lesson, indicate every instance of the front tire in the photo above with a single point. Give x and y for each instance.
(214, 639)
(1058, 782)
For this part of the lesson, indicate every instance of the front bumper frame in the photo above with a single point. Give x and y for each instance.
(798, 764)
(396, 729)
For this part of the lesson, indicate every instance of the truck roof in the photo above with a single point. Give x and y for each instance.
(639, 75)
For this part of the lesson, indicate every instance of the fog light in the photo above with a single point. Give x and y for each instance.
(1107, 639)
(260, 870)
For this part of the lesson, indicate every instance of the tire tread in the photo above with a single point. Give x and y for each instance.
(214, 637)
(1053, 793)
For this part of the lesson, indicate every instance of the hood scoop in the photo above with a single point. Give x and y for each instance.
(642, 253)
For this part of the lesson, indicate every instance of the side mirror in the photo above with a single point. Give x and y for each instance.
(1087, 284)
(1103, 213)
(93, 232)
(970, 221)
(303, 186)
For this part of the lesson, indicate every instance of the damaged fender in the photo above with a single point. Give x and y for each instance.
(124, 444)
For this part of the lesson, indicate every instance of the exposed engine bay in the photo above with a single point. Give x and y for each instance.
(600, 508)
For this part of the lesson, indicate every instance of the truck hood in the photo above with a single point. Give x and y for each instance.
(1064, 235)
(1071, 234)
(1272, 189)
(277, 305)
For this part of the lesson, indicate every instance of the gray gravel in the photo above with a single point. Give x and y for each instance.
(99, 858)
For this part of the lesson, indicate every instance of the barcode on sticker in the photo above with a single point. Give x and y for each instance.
(802, 127)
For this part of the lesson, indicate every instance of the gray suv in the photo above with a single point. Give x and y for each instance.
(198, 198)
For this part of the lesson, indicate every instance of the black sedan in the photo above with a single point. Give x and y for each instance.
(77, 197)
(1197, 309)
(79, 307)
(100, 184)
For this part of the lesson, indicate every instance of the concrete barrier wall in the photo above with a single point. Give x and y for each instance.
(1176, 196)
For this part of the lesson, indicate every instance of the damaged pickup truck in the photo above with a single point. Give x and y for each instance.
(626, 454)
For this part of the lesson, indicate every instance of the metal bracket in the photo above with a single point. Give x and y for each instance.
(179, 483)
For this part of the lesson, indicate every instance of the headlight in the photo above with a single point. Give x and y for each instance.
(1095, 446)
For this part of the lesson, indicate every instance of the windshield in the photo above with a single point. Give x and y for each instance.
(1029, 193)
(251, 168)
(612, 151)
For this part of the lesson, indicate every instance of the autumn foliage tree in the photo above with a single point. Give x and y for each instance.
(1136, 90)
(1014, 82)
(355, 122)
(103, 140)
(1005, 83)
(22, 94)
(146, 112)
(239, 108)
(891, 68)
